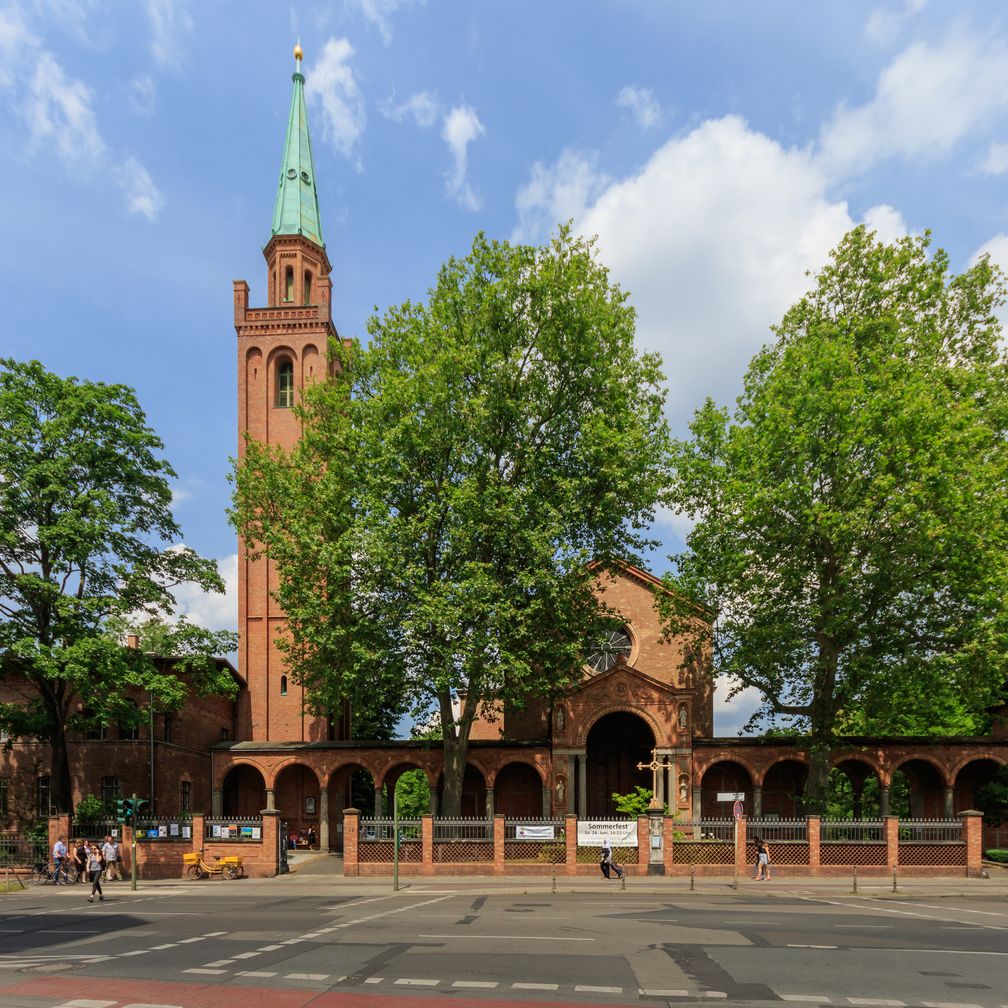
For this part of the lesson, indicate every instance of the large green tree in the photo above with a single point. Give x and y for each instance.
(87, 539)
(434, 526)
(851, 517)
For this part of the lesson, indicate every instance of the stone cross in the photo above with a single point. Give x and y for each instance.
(654, 766)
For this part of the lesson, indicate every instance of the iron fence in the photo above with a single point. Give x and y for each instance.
(94, 829)
(463, 840)
(19, 852)
(778, 830)
(866, 831)
(376, 841)
(930, 831)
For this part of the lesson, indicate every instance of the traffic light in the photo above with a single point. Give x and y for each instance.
(139, 807)
(123, 809)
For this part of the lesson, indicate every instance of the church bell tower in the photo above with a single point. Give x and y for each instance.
(281, 349)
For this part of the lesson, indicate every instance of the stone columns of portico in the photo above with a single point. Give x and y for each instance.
(379, 806)
(269, 800)
(323, 809)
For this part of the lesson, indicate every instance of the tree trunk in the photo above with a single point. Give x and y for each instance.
(456, 750)
(60, 794)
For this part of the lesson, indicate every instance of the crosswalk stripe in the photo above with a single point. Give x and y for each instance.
(535, 986)
(589, 989)
(483, 984)
(408, 982)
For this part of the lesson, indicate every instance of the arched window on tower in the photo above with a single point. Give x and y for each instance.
(289, 283)
(283, 685)
(307, 287)
(285, 385)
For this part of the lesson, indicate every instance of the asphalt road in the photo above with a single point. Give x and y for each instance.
(289, 943)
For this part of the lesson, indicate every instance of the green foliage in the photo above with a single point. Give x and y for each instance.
(636, 803)
(997, 854)
(848, 541)
(413, 790)
(87, 536)
(842, 802)
(992, 798)
(90, 809)
(433, 528)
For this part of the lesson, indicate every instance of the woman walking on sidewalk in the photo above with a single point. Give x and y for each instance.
(96, 863)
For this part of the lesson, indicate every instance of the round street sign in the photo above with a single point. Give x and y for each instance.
(737, 810)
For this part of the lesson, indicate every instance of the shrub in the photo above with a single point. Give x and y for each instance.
(998, 854)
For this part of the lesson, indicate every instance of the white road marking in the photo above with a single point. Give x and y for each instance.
(873, 1002)
(85, 1003)
(535, 986)
(487, 984)
(947, 1004)
(137, 952)
(246, 955)
(498, 937)
(186, 941)
(907, 913)
(715, 994)
(270, 948)
(211, 972)
(158, 948)
(408, 982)
(805, 997)
(220, 962)
(373, 980)
(588, 989)
(664, 993)
(864, 925)
(306, 976)
(257, 973)
(138, 1005)
(928, 906)
(214, 934)
(813, 946)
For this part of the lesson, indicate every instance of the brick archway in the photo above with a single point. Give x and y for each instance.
(590, 720)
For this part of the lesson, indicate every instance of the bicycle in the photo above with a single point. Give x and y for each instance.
(42, 874)
(223, 867)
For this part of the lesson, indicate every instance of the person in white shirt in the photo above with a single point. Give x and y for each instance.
(59, 856)
(110, 851)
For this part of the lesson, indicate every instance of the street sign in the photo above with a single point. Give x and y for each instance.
(731, 796)
(737, 809)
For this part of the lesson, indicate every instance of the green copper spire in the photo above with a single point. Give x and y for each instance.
(296, 211)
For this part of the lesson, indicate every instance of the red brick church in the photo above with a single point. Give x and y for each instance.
(565, 756)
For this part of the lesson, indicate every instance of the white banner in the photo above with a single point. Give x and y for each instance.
(523, 832)
(594, 833)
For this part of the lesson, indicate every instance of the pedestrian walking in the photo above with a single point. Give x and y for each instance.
(110, 852)
(607, 864)
(762, 860)
(95, 865)
(79, 861)
(59, 856)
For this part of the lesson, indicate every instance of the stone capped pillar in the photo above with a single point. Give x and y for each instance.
(892, 841)
(972, 822)
(814, 829)
(351, 832)
(570, 835)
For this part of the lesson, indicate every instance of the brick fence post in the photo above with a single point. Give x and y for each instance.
(741, 840)
(126, 851)
(498, 844)
(813, 832)
(351, 833)
(427, 838)
(972, 826)
(570, 835)
(271, 841)
(892, 841)
(198, 827)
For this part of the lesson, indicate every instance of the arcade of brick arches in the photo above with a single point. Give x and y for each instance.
(550, 759)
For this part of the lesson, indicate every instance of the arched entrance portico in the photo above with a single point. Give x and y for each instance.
(518, 791)
(615, 745)
(296, 797)
(243, 793)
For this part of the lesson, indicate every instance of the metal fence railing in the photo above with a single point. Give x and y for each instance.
(930, 831)
(535, 841)
(463, 840)
(865, 831)
(375, 841)
(246, 829)
(779, 830)
(93, 829)
(18, 852)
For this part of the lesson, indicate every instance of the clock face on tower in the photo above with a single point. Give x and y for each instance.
(605, 654)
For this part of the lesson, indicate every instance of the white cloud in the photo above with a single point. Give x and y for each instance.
(142, 95)
(379, 13)
(731, 715)
(641, 104)
(16, 40)
(995, 161)
(142, 196)
(712, 237)
(422, 108)
(997, 249)
(333, 86)
(556, 193)
(58, 112)
(885, 23)
(214, 612)
(886, 222)
(461, 127)
(928, 99)
(170, 22)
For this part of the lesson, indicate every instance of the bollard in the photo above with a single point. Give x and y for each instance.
(894, 878)
(554, 881)
(692, 879)
(854, 890)
(623, 881)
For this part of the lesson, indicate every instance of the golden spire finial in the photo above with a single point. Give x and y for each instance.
(298, 52)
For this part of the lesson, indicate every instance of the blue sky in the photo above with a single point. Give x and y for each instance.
(718, 151)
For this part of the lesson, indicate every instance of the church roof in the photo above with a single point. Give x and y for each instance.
(297, 210)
